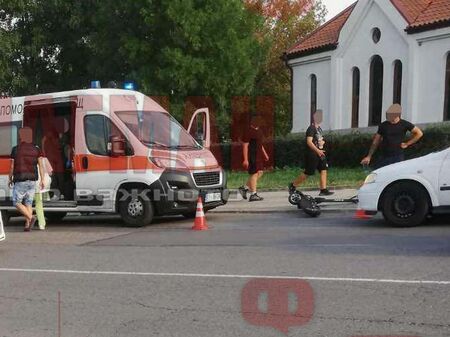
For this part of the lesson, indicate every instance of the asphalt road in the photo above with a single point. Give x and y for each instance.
(331, 276)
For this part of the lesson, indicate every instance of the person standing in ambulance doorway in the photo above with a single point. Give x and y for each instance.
(315, 157)
(254, 155)
(391, 135)
(25, 159)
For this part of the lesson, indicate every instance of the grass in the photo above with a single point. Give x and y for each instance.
(280, 178)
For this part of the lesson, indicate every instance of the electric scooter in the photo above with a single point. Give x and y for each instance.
(310, 205)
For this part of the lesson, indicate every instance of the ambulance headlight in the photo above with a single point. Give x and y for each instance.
(370, 179)
(167, 163)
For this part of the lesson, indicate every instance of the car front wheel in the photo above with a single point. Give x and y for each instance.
(405, 204)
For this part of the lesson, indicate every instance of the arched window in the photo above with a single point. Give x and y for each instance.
(355, 96)
(398, 77)
(447, 90)
(376, 90)
(313, 96)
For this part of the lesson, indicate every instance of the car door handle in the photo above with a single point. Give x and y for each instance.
(85, 163)
(445, 188)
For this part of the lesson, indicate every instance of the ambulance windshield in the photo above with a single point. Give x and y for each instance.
(157, 129)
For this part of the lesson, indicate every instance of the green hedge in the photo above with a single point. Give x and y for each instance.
(346, 150)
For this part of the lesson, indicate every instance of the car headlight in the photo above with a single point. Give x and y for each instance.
(167, 162)
(370, 178)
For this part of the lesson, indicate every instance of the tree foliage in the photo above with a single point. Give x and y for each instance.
(217, 48)
(285, 22)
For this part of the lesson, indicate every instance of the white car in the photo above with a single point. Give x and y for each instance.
(407, 192)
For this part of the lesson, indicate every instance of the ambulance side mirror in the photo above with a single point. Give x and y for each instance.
(117, 146)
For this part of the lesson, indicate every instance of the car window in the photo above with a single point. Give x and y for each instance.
(98, 131)
(8, 137)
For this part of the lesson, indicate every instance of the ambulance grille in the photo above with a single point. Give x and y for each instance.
(207, 178)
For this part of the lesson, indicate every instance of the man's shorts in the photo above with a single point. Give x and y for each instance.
(23, 192)
(255, 166)
(313, 162)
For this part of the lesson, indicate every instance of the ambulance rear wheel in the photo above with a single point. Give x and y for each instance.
(136, 210)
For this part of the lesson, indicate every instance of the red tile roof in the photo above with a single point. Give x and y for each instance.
(420, 15)
(437, 14)
(324, 37)
(410, 9)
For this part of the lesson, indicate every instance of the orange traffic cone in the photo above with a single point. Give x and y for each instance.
(361, 215)
(200, 220)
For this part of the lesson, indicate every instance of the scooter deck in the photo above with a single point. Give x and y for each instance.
(353, 200)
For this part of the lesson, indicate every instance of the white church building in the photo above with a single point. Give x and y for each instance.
(371, 55)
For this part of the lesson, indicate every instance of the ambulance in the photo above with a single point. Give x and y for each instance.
(114, 151)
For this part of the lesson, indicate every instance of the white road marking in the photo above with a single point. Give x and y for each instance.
(306, 278)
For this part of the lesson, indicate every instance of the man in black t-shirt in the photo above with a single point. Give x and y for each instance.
(391, 138)
(315, 158)
(254, 155)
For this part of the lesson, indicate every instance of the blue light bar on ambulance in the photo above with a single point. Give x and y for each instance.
(129, 85)
(95, 85)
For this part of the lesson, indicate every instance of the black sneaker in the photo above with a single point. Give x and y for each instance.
(292, 188)
(325, 192)
(243, 191)
(255, 197)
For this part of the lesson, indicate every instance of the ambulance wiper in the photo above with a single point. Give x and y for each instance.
(151, 143)
(185, 147)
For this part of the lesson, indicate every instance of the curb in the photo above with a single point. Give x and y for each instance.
(306, 189)
(292, 210)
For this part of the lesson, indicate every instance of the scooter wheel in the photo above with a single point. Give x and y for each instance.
(294, 198)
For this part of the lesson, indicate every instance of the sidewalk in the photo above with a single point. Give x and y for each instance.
(277, 201)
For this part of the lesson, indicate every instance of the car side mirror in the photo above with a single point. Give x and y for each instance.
(118, 146)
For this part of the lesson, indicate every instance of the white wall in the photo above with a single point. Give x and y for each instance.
(430, 51)
(321, 67)
(358, 49)
(423, 57)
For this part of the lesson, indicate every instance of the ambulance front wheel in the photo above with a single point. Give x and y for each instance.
(136, 211)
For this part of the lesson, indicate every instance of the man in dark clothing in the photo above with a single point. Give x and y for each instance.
(315, 158)
(254, 155)
(391, 135)
(25, 159)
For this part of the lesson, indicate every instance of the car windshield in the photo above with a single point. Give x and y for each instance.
(157, 129)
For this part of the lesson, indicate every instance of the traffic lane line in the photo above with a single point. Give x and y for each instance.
(150, 274)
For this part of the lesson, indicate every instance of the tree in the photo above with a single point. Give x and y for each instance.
(217, 48)
(285, 22)
(199, 47)
(169, 47)
(43, 40)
